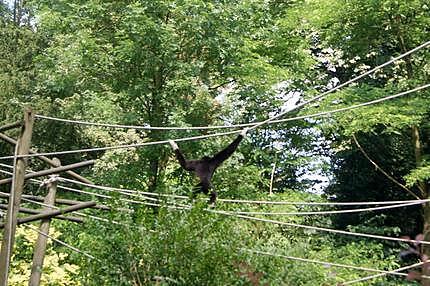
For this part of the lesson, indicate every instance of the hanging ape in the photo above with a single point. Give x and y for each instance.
(205, 167)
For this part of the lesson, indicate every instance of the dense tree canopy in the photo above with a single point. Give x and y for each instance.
(191, 63)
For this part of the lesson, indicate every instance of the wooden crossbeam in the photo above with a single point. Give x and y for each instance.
(51, 214)
(33, 211)
(47, 160)
(51, 171)
(11, 126)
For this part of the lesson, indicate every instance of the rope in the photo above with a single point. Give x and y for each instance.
(327, 212)
(62, 242)
(383, 274)
(298, 106)
(322, 229)
(391, 178)
(148, 127)
(80, 191)
(230, 200)
(123, 191)
(128, 146)
(320, 204)
(129, 194)
(323, 262)
(406, 202)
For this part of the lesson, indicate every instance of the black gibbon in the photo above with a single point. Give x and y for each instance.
(205, 167)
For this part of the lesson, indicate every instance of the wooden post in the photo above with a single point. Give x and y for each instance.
(20, 164)
(272, 176)
(40, 246)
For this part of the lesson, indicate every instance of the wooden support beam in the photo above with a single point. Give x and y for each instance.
(47, 160)
(42, 240)
(20, 164)
(11, 126)
(33, 211)
(51, 214)
(51, 171)
(57, 201)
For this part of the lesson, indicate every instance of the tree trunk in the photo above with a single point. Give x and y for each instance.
(425, 250)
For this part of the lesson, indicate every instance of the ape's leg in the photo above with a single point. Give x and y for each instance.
(198, 189)
(213, 196)
(204, 188)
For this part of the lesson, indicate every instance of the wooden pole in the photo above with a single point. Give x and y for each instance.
(42, 240)
(47, 160)
(20, 164)
(51, 171)
(272, 176)
(51, 214)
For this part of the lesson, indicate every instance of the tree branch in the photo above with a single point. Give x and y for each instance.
(382, 171)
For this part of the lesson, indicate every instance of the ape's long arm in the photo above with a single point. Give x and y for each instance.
(186, 164)
(227, 152)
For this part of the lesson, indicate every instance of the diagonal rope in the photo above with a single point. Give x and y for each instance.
(77, 250)
(59, 241)
(382, 170)
(383, 274)
(254, 124)
(331, 264)
(325, 212)
(322, 95)
(128, 146)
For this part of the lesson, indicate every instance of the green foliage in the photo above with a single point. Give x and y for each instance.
(420, 174)
(191, 63)
(56, 270)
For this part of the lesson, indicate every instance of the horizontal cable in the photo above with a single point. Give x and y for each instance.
(93, 217)
(179, 206)
(328, 212)
(237, 125)
(406, 202)
(121, 190)
(247, 201)
(127, 192)
(134, 195)
(322, 262)
(321, 228)
(128, 146)
(383, 274)
(321, 203)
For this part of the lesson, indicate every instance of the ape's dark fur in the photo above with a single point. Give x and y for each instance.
(205, 167)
